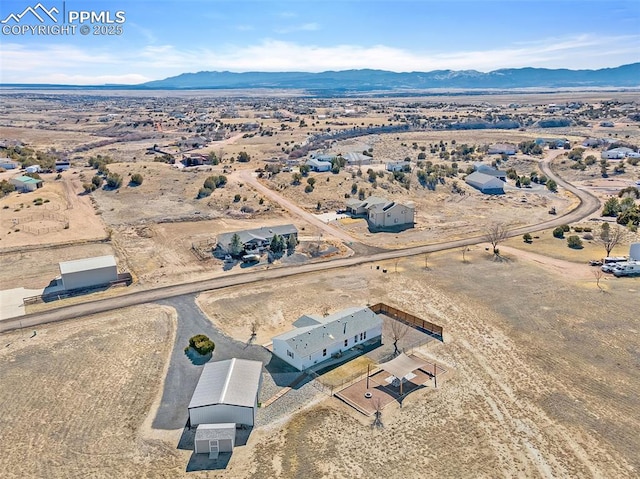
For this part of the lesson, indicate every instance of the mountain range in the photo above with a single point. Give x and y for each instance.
(376, 80)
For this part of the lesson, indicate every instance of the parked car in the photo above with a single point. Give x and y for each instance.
(595, 262)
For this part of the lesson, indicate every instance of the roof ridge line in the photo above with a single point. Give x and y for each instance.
(227, 380)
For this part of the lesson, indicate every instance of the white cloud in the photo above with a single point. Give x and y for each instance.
(73, 64)
(305, 27)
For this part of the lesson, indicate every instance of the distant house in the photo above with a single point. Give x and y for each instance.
(62, 166)
(398, 166)
(26, 183)
(487, 184)
(316, 339)
(318, 165)
(502, 149)
(355, 158)
(552, 142)
(619, 153)
(8, 164)
(607, 124)
(382, 213)
(88, 272)
(255, 239)
(490, 170)
(194, 159)
(226, 393)
(592, 142)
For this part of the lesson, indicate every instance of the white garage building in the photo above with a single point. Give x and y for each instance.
(227, 392)
(88, 272)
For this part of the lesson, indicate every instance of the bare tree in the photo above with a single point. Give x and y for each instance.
(255, 325)
(398, 332)
(376, 402)
(426, 260)
(609, 237)
(496, 234)
(396, 264)
(464, 250)
(598, 274)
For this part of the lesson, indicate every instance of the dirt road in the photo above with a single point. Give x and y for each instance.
(588, 204)
(247, 176)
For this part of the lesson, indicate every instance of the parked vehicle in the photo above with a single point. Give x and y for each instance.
(251, 258)
(631, 268)
(595, 262)
(614, 259)
(609, 267)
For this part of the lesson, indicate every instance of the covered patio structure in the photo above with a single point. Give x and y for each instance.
(402, 369)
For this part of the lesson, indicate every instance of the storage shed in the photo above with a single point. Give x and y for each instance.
(26, 183)
(88, 272)
(227, 392)
(489, 185)
(215, 438)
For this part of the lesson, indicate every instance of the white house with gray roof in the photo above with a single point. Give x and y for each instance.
(227, 392)
(315, 339)
(256, 238)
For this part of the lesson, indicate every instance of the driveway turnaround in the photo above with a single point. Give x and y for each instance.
(182, 374)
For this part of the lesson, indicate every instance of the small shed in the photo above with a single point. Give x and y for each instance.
(227, 392)
(215, 438)
(88, 272)
(26, 183)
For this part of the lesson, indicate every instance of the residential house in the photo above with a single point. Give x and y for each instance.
(255, 239)
(318, 165)
(398, 166)
(491, 171)
(357, 159)
(502, 149)
(8, 164)
(619, 153)
(382, 213)
(316, 339)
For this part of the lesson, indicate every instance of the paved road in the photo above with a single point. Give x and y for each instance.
(588, 205)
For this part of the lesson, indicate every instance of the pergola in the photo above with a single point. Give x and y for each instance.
(401, 366)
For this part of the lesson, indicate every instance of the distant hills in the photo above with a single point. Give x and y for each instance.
(376, 80)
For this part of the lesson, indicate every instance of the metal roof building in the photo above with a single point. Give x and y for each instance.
(227, 392)
(487, 184)
(88, 272)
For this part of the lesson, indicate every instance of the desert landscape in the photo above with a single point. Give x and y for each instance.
(539, 347)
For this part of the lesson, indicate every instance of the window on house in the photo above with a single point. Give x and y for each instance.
(346, 343)
(324, 352)
(360, 336)
(365, 335)
(355, 338)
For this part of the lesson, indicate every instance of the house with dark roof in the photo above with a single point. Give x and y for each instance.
(255, 239)
(316, 339)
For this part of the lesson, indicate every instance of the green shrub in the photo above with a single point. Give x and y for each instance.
(574, 242)
(136, 179)
(566, 228)
(558, 232)
(578, 229)
(202, 344)
(204, 192)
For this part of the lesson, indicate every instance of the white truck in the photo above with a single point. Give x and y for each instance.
(631, 268)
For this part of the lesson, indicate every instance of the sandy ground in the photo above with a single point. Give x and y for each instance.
(543, 386)
(91, 385)
(67, 216)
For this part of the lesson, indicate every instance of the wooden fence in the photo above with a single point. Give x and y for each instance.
(408, 318)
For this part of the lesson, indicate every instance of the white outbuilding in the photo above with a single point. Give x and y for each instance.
(213, 439)
(227, 392)
(88, 272)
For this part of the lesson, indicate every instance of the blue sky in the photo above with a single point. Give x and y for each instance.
(162, 38)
